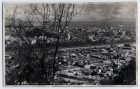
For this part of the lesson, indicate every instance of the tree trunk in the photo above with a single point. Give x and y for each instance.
(54, 60)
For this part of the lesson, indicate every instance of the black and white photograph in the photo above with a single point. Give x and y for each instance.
(70, 43)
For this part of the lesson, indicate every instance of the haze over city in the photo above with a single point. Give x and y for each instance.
(119, 11)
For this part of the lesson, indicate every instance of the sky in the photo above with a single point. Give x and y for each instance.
(126, 11)
(109, 11)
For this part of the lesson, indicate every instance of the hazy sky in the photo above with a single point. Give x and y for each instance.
(99, 11)
(109, 11)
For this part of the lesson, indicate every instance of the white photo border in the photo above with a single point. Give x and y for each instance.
(61, 86)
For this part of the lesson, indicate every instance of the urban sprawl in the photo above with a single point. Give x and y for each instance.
(88, 54)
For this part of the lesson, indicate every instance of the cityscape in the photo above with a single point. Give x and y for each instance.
(54, 44)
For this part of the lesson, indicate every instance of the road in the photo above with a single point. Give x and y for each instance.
(89, 46)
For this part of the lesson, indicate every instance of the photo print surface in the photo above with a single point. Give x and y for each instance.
(70, 43)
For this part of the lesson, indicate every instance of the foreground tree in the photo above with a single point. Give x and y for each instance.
(35, 64)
